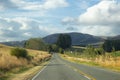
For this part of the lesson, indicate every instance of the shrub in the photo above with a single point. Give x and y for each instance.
(61, 51)
(19, 52)
(115, 54)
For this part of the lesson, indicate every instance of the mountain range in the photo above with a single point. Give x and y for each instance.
(77, 39)
(14, 43)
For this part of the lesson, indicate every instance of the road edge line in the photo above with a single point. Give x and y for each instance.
(79, 71)
(41, 70)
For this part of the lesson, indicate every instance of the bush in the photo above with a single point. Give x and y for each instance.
(19, 52)
(115, 54)
(61, 51)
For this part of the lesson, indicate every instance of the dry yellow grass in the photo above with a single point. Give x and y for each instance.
(104, 61)
(112, 62)
(27, 75)
(8, 62)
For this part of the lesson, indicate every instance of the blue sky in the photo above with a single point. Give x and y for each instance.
(23, 19)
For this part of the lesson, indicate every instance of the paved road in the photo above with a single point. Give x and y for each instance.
(59, 69)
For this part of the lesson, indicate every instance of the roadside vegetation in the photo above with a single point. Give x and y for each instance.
(17, 60)
(107, 55)
(26, 60)
(36, 44)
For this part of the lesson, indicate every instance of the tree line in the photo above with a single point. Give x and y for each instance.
(63, 42)
(110, 45)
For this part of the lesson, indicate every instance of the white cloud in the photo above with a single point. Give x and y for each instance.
(83, 4)
(7, 4)
(97, 30)
(69, 21)
(27, 34)
(30, 5)
(29, 8)
(47, 4)
(100, 19)
(20, 29)
(51, 29)
(54, 4)
(104, 13)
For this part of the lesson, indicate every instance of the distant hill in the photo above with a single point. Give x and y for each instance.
(115, 37)
(14, 43)
(77, 38)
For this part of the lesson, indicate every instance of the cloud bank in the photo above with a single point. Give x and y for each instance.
(100, 19)
(32, 5)
(23, 19)
(20, 29)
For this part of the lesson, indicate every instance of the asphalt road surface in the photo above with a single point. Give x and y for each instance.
(59, 69)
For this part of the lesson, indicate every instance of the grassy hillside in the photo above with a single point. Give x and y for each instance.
(11, 64)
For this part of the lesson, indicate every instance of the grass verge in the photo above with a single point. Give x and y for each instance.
(27, 74)
(11, 65)
(89, 62)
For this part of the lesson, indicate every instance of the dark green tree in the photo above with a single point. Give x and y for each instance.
(50, 49)
(110, 44)
(64, 41)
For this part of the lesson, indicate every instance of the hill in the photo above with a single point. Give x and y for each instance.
(77, 38)
(14, 43)
(115, 37)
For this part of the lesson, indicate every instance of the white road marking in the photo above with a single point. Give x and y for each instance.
(39, 73)
(88, 78)
(41, 70)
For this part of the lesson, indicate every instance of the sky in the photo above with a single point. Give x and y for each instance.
(24, 19)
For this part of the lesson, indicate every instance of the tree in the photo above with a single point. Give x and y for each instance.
(110, 44)
(64, 41)
(36, 43)
(50, 48)
(107, 46)
(55, 48)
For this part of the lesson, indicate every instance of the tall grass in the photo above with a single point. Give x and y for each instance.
(9, 62)
(94, 57)
(108, 61)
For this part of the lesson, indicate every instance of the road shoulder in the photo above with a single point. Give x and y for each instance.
(92, 64)
(28, 74)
